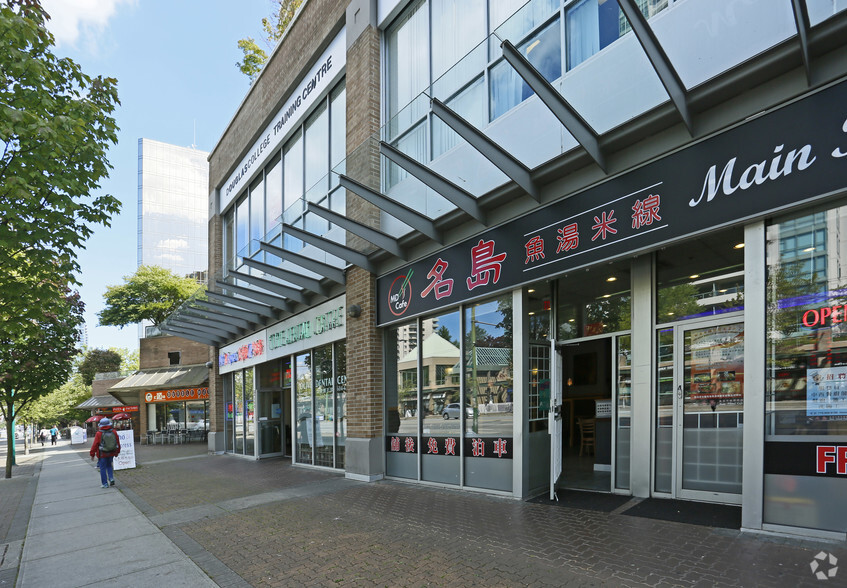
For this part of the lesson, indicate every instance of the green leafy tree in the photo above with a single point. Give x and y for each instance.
(56, 126)
(152, 293)
(37, 360)
(254, 56)
(98, 361)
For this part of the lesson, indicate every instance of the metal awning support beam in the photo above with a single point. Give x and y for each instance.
(561, 108)
(304, 282)
(801, 17)
(271, 286)
(204, 325)
(374, 236)
(193, 335)
(347, 254)
(517, 171)
(270, 299)
(324, 269)
(399, 211)
(438, 183)
(257, 307)
(658, 58)
(222, 309)
(222, 318)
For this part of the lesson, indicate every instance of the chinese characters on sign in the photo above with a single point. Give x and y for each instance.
(485, 266)
(499, 448)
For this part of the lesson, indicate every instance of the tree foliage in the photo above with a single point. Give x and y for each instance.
(152, 293)
(56, 126)
(39, 359)
(254, 56)
(98, 361)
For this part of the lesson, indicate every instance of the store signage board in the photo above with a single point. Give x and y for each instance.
(177, 395)
(327, 69)
(125, 460)
(792, 155)
(244, 353)
(806, 458)
(317, 326)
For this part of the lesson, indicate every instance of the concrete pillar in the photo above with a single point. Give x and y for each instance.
(642, 375)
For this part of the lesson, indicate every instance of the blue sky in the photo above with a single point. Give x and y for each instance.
(175, 65)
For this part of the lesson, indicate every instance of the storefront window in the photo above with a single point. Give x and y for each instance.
(324, 409)
(229, 416)
(340, 403)
(441, 417)
(539, 311)
(249, 420)
(594, 301)
(303, 410)
(806, 408)
(488, 357)
(702, 277)
(238, 401)
(401, 394)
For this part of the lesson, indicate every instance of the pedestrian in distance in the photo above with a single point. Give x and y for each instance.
(105, 446)
(54, 434)
(42, 437)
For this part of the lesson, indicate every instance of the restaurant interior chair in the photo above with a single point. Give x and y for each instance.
(586, 435)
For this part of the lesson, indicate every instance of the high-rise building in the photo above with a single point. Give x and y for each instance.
(173, 208)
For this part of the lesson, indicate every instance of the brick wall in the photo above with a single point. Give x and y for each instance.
(364, 351)
(154, 352)
(318, 19)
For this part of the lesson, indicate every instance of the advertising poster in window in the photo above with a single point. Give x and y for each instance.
(826, 392)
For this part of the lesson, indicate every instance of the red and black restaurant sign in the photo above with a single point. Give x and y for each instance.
(496, 447)
(791, 155)
(819, 459)
(117, 409)
(177, 395)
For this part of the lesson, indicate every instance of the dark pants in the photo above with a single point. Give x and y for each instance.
(52, 439)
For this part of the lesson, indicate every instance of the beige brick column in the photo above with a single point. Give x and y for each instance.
(364, 452)
(216, 390)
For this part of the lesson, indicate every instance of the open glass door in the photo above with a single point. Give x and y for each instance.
(555, 418)
(709, 407)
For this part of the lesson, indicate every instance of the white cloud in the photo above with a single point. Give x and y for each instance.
(71, 18)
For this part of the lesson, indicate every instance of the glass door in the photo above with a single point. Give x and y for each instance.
(709, 410)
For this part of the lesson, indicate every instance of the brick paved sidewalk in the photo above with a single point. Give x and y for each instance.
(272, 524)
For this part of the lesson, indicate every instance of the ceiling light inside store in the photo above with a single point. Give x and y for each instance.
(693, 276)
(739, 246)
(531, 290)
(611, 279)
(607, 295)
(531, 313)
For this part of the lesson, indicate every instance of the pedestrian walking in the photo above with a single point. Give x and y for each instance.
(54, 434)
(42, 437)
(105, 446)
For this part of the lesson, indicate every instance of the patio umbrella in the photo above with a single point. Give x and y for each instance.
(94, 419)
(121, 416)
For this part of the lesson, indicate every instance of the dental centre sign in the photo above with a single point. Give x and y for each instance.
(317, 326)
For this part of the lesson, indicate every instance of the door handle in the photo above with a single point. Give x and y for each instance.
(679, 392)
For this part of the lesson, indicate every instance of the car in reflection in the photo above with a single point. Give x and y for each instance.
(451, 411)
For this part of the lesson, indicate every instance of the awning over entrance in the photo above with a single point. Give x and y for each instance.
(185, 376)
(104, 401)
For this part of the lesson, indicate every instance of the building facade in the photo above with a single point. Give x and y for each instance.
(515, 247)
(173, 208)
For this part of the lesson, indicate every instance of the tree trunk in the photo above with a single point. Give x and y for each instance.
(10, 443)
